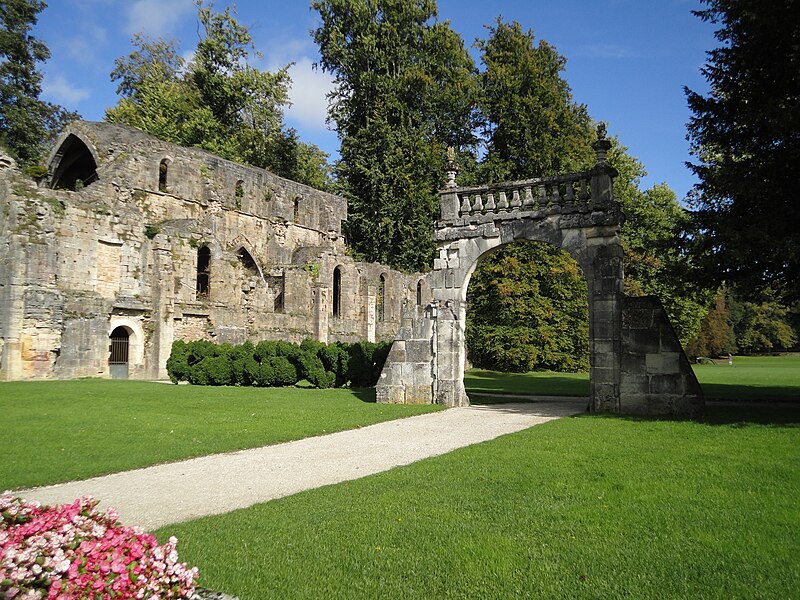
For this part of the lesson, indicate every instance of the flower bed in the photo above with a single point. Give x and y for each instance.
(76, 551)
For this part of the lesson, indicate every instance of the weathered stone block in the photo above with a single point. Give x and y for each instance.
(662, 363)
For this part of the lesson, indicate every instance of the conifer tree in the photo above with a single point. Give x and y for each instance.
(404, 91)
(745, 135)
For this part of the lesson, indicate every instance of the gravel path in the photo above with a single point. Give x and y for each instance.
(174, 492)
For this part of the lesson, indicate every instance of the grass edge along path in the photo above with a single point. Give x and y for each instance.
(57, 431)
(582, 507)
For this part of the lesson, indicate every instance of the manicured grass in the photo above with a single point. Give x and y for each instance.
(65, 430)
(543, 383)
(752, 378)
(585, 507)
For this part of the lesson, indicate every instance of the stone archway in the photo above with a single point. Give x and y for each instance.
(637, 364)
(126, 348)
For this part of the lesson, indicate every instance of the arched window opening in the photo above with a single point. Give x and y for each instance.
(380, 300)
(280, 289)
(296, 209)
(118, 353)
(203, 261)
(73, 166)
(239, 194)
(248, 262)
(419, 293)
(337, 292)
(163, 167)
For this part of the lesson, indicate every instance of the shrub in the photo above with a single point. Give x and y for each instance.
(365, 362)
(284, 372)
(217, 370)
(177, 365)
(277, 363)
(75, 551)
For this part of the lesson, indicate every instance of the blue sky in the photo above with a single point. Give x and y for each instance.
(627, 60)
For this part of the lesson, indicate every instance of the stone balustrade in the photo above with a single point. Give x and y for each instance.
(571, 193)
(565, 193)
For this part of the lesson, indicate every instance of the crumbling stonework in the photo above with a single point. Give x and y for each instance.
(637, 365)
(139, 240)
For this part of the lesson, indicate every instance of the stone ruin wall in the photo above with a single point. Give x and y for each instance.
(123, 251)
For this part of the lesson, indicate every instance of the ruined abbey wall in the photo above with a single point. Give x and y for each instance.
(168, 243)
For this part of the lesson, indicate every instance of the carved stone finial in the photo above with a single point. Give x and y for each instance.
(602, 145)
(451, 168)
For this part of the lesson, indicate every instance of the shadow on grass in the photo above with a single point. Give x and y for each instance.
(736, 414)
(740, 392)
(364, 394)
(545, 383)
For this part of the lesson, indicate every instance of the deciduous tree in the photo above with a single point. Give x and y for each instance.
(27, 124)
(219, 101)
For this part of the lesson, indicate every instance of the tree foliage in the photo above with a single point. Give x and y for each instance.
(404, 90)
(218, 102)
(28, 125)
(656, 259)
(532, 126)
(745, 135)
(528, 309)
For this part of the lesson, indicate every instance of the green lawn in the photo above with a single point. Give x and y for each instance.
(545, 383)
(64, 430)
(584, 507)
(752, 378)
(757, 378)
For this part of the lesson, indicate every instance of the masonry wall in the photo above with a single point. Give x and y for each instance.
(656, 377)
(123, 251)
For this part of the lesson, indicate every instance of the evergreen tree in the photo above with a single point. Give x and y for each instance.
(745, 134)
(27, 124)
(532, 126)
(218, 102)
(404, 91)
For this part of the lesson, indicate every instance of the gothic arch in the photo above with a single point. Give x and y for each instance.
(74, 159)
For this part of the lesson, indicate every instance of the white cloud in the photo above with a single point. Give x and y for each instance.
(57, 89)
(154, 18)
(308, 94)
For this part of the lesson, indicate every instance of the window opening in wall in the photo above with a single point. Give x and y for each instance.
(239, 193)
(337, 292)
(296, 210)
(162, 175)
(280, 288)
(380, 304)
(248, 262)
(73, 166)
(203, 261)
(118, 353)
(419, 293)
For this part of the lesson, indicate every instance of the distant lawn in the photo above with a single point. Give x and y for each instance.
(584, 507)
(753, 378)
(542, 383)
(58, 431)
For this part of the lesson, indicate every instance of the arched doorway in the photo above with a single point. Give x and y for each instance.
(119, 350)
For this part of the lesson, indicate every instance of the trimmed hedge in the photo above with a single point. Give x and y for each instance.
(278, 363)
